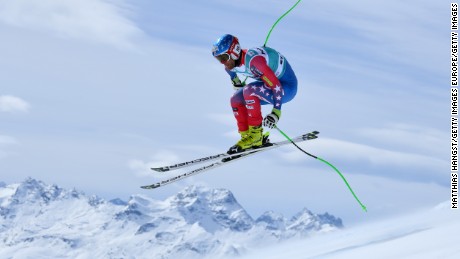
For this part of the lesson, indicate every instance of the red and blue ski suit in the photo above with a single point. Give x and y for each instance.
(275, 83)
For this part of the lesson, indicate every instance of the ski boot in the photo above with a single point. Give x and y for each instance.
(252, 138)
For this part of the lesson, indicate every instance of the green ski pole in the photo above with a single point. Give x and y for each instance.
(327, 163)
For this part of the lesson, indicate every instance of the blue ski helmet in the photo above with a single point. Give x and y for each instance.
(227, 44)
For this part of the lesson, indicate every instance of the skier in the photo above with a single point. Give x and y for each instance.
(275, 83)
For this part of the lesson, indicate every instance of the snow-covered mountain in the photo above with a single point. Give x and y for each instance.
(39, 220)
(425, 234)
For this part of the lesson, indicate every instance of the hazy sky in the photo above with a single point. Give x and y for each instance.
(94, 92)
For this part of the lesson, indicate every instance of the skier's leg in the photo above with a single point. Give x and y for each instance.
(254, 109)
(252, 97)
(239, 110)
(251, 136)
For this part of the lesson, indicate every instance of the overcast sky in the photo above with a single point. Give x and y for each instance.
(94, 92)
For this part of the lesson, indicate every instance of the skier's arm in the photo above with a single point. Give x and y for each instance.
(237, 84)
(260, 68)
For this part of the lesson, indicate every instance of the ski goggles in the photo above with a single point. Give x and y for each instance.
(223, 58)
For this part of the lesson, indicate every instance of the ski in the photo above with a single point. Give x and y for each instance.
(311, 135)
(229, 158)
(196, 171)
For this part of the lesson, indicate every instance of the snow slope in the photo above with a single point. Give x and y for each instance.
(427, 234)
(45, 221)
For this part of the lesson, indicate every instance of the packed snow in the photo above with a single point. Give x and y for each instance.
(426, 234)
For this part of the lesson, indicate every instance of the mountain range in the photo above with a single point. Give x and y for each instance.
(38, 220)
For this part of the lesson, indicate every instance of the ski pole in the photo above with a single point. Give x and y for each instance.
(327, 163)
(279, 19)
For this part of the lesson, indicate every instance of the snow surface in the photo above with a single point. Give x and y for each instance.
(45, 221)
(426, 234)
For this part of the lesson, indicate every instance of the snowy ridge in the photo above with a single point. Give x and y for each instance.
(426, 234)
(45, 220)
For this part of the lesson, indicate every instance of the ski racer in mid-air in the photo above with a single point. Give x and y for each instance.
(275, 83)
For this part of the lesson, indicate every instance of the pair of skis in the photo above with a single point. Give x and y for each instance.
(223, 159)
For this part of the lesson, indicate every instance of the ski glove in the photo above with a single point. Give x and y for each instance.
(271, 119)
(237, 84)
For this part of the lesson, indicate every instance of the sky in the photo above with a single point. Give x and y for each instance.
(94, 92)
